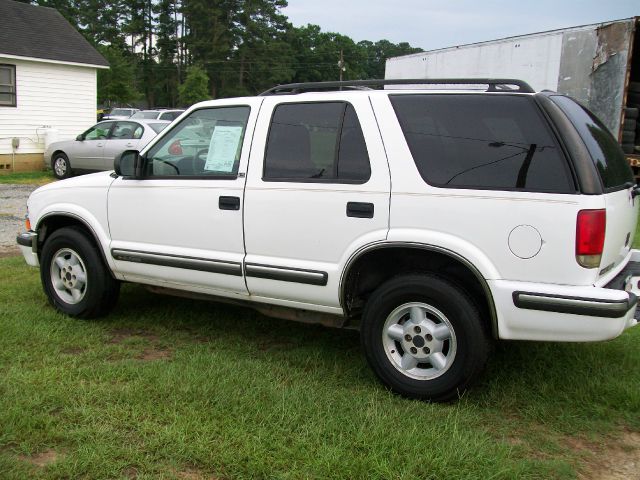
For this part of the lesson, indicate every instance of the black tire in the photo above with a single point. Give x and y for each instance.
(633, 98)
(99, 292)
(634, 87)
(629, 125)
(631, 112)
(627, 147)
(628, 137)
(61, 166)
(466, 350)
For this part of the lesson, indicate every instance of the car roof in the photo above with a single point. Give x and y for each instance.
(141, 121)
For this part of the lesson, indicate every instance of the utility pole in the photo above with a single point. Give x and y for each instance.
(341, 63)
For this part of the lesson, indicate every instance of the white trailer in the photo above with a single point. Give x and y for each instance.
(593, 63)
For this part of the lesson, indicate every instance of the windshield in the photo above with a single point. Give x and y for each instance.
(121, 111)
(171, 115)
(158, 127)
(148, 115)
(606, 154)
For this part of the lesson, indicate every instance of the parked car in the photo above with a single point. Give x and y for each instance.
(97, 148)
(158, 114)
(434, 221)
(120, 113)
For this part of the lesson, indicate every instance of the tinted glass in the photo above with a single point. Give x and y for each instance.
(316, 142)
(606, 154)
(353, 159)
(206, 143)
(495, 142)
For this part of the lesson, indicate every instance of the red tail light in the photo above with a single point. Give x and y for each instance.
(590, 230)
(175, 148)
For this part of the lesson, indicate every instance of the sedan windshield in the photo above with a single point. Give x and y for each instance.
(121, 111)
(147, 115)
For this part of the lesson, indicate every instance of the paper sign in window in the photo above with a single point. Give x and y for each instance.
(223, 148)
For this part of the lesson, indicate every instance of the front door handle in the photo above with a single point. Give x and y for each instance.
(229, 203)
(360, 210)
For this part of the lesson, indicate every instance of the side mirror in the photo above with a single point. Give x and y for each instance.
(129, 164)
(80, 138)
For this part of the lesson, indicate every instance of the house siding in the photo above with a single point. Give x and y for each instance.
(60, 96)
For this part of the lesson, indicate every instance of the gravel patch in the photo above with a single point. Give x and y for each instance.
(13, 207)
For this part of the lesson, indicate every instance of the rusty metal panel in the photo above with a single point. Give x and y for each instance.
(609, 71)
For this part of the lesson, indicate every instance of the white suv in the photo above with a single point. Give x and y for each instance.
(433, 220)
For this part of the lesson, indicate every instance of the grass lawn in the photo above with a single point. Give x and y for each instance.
(23, 178)
(173, 388)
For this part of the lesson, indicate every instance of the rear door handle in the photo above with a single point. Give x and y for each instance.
(360, 210)
(229, 203)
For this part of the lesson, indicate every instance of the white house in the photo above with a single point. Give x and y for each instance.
(48, 83)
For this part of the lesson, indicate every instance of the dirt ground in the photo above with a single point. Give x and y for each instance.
(13, 208)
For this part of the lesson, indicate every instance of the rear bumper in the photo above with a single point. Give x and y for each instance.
(547, 312)
(28, 243)
(592, 307)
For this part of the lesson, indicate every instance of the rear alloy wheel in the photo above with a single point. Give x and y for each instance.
(74, 276)
(60, 166)
(423, 337)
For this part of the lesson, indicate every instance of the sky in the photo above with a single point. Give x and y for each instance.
(433, 24)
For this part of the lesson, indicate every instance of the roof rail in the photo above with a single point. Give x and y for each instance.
(494, 85)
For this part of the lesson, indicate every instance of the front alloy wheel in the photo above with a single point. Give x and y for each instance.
(74, 275)
(69, 276)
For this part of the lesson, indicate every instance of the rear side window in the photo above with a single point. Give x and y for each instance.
(605, 152)
(316, 142)
(497, 142)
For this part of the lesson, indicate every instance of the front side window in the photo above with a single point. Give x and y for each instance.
(8, 96)
(99, 131)
(207, 143)
(316, 142)
(497, 142)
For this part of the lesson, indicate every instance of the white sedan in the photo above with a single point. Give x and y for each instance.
(97, 148)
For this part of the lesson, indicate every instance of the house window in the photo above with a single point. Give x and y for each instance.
(7, 85)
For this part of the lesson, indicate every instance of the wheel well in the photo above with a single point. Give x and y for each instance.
(50, 224)
(376, 266)
(57, 152)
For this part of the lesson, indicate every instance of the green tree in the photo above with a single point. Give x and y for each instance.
(210, 35)
(377, 54)
(195, 87)
(317, 53)
(262, 56)
(166, 53)
(116, 85)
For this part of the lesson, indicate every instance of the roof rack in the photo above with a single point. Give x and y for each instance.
(494, 85)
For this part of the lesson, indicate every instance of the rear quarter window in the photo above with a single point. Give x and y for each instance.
(606, 154)
(498, 142)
